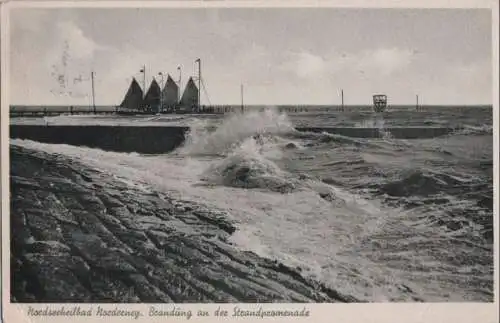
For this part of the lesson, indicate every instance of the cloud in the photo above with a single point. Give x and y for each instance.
(28, 20)
(234, 50)
(254, 64)
(307, 65)
(386, 60)
(370, 63)
(71, 61)
(223, 27)
(469, 83)
(80, 46)
(69, 41)
(476, 73)
(375, 63)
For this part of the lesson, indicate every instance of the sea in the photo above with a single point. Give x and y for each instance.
(380, 219)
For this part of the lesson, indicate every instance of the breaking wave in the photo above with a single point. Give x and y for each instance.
(427, 183)
(486, 129)
(251, 149)
(247, 146)
(247, 167)
(317, 138)
(203, 139)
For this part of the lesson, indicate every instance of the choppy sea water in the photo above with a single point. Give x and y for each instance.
(379, 219)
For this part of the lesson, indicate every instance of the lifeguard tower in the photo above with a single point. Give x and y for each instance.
(379, 102)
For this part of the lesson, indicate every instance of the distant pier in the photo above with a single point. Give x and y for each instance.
(40, 111)
(34, 111)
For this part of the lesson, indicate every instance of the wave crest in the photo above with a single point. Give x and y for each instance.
(204, 139)
(247, 167)
(485, 129)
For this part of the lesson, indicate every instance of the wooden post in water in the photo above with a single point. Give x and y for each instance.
(417, 102)
(242, 106)
(342, 95)
(93, 92)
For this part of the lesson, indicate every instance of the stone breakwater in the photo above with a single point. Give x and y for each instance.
(80, 235)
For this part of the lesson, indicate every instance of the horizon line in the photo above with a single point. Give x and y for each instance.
(271, 105)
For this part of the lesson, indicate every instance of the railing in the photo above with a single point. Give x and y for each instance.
(40, 111)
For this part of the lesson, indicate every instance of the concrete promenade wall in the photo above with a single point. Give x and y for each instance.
(163, 139)
(146, 140)
(395, 132)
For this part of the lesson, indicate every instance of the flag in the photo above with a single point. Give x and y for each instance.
(141, 71)
(197, 60)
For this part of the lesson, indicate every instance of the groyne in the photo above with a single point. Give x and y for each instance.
(163, 139)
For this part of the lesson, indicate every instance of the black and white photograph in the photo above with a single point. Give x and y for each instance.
(249, 154)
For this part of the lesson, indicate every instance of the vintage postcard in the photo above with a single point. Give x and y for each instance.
(331, 161)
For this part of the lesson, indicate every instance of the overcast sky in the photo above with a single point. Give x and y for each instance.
(281, 55)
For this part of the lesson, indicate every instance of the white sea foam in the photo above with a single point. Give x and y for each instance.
(235, 129)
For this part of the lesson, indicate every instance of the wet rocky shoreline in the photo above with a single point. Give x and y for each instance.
(79, 235)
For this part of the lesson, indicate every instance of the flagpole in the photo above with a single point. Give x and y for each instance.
(144, 78)
(161, 89)
(199, 82)
(180, 85)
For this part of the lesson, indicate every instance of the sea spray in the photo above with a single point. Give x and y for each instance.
(376, 122)
(247, 167)
(485, 129)
(204, 139)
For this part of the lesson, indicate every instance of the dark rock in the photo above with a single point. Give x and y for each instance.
(146, 292)
(42, 225)
(52, 248)
(91, 238)
(50, 279)
(329, 196)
